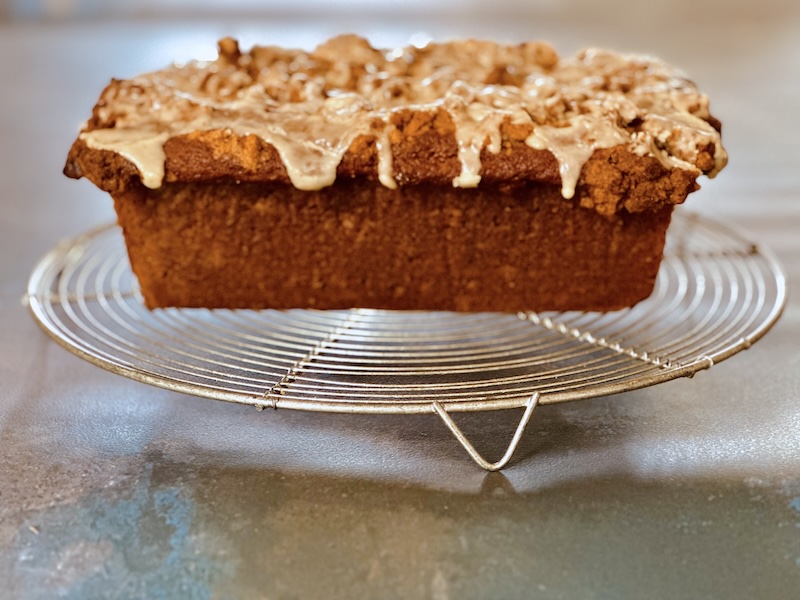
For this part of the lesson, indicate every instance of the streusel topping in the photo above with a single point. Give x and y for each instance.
(311, 106)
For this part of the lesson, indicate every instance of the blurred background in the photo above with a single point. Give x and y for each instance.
(653, 24)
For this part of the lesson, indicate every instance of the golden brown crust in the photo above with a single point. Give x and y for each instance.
(425, 152)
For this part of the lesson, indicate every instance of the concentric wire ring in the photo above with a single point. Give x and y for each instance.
(716, 294)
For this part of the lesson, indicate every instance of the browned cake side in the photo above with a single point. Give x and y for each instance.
(356, 245)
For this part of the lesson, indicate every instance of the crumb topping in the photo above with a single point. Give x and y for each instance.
(312, 106)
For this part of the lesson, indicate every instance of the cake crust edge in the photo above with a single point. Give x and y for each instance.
(612, 180)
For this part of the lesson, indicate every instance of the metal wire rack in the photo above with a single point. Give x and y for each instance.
(715, 295)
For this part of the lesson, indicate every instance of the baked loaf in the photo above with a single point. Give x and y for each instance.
(467, 176)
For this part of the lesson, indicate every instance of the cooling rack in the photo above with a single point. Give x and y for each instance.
(716, 294)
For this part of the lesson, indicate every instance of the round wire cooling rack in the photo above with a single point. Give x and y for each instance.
(716, 294)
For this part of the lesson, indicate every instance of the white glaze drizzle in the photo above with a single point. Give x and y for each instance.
(143, 148)
(312, 106)
(573, 145)
(385, 159)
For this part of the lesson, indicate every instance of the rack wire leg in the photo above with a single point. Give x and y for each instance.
(530, 405)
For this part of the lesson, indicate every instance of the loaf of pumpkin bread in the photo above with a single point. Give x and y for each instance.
(466, 176)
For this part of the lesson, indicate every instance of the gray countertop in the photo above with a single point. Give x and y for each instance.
(112, 488)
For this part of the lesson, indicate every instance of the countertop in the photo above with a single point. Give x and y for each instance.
(113, 488)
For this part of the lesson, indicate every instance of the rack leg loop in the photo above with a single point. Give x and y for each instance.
(530, 405)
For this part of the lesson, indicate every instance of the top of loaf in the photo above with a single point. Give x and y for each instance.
(478, 109)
